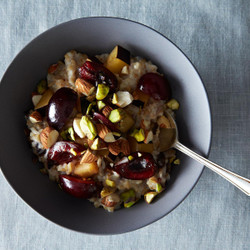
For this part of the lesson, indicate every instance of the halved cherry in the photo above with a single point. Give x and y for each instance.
(141, 167)
(78, 187)
(155, 85)
(64, 152)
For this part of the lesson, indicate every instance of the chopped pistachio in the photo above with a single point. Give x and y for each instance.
(116, 134)
(173, 104)
(42, 86)
(158, 188)
(68, 134)
(127, 195)
(115, 98)
(138, 134)
(96, 144)
(177, 162)
(116, 115)
(172, 159)
(129, 204)
(73, 152)
(150, 196)
(88, 127)
(107, 191)
(100, 105)
(91, 105)
(130, 157)
(102, 91)
(110, 183)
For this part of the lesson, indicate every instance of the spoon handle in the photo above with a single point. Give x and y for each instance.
(240, 182)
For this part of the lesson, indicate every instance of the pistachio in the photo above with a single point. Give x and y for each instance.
(116, 115)
(177, 162)
(90, 107)
(88, 127)
(127, 195)
(100, 105)
(150, 196)
(129, 204)
(42, 87)
(138, 134)
(102, 91)
(115, 98)
(68, 134)
(107, 191)
(173, 104)
(97, 144)
(130, 157)
(110, 183)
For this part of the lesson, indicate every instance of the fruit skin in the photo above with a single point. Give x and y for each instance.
(78, 187)
(61, 152)
(155, 85)
(140, 168)
(101, 118)
(60, 107)
(96, 73)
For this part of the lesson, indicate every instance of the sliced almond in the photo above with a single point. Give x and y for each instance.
(48, 137)
(36, 99)
(148, 136)
(84, 87)
(104, 133)
(119, 146)
(35, 117)
(89, 157)
(44, 99)
(77, 127)
(122, 99)
(106, 110)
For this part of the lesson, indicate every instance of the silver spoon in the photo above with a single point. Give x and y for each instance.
(169, 139)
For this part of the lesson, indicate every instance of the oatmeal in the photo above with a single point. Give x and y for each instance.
(95, 127)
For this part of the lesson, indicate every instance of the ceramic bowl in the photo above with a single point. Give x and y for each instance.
(96, 36)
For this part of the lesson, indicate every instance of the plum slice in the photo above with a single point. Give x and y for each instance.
(64, 152)
(141, 167)
(155, 85)
(78, 187)
(96, 73)
(60, 107)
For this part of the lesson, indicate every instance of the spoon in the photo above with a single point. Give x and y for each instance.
(169, 139)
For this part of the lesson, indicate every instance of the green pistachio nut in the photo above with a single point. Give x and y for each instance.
(88, 127)
(100, 105)
(115, 98)
(177, 162)
(116, 115)
(42, 87)
(158, 188)
(68, 134)
(90, 107)
(138, 134)
(128, 195)
(173, 104)
(129, 204)
(102, 91)
(150, 196)
(110, 183)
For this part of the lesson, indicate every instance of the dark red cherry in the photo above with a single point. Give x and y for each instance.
(78, 187)
(140, 168)
(64, 152)
(96, 73)
(155, 85)
(60, 107)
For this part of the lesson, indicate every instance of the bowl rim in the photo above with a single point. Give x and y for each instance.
(202, 85)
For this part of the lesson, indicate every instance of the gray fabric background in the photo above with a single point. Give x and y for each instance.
(215, 35)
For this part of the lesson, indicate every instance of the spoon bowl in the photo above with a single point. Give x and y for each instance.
(169, 139)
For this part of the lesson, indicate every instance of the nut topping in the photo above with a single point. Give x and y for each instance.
(84, 87)
(35, 117)
(48, 137)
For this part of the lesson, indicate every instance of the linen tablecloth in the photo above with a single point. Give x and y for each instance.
(215, 35)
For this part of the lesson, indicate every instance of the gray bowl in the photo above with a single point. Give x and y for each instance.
(94, 36)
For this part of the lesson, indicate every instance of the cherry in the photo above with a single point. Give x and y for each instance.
(64, 152)
(78, 187)
(155, 85)
(96, 73)
(60, 107)
(101, 118)
(139, 168)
